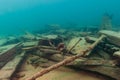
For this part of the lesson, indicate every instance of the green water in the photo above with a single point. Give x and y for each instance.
(17, 16)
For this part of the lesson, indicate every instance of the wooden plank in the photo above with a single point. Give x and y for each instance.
(113, 72)
(113, 37)
(91, 62)
(8, 53)
(8, 70)
(66, 61)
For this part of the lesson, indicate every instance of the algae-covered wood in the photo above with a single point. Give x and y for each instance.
(113, 37)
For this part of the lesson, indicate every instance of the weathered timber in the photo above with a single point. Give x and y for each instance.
(113, 37)
(91, 62)
(113, 72)
(56, 57)
(66, 61)
(74, 45)
(49, 42)
(30, 43)
(81, 45)
(8, 70)
(9, 53)
(39, 47)
(49, 51)
(47, 47)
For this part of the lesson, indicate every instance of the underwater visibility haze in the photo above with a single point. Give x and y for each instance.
(60, 38)
(17, 16)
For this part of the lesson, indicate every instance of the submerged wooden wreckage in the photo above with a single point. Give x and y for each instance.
(97, 55)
